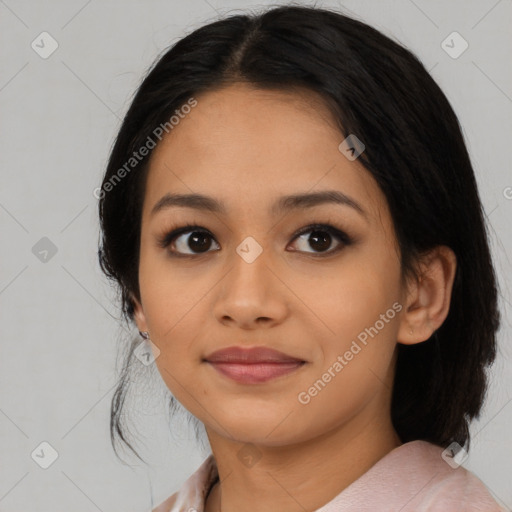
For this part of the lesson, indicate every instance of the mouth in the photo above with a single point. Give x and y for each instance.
(253, 365)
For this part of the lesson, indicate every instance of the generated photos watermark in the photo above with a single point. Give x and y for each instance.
(304, 397)
(143, 151)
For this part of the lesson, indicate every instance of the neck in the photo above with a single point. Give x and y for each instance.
(300, 476)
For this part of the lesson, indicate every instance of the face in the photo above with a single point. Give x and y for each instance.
(249, 274)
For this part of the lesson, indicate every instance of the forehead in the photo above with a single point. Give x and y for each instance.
(246, 146)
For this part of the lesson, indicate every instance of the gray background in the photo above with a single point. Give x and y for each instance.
(59, 317)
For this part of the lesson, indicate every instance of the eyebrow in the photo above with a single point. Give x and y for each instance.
(283, 204)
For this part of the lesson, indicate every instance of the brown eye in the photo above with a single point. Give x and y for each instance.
(320, 238)
(194, 241)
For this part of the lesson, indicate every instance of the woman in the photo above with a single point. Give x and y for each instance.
(292, 218)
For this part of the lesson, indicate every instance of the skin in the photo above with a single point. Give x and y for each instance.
(246, 148)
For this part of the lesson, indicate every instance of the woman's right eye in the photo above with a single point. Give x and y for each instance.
(188, 240)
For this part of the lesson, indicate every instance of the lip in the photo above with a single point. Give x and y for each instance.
(250, 355)
(253, 365)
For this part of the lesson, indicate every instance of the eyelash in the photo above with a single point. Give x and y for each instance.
(168, 237)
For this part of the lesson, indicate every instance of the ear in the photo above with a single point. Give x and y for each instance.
(138, 312)
(428, 297)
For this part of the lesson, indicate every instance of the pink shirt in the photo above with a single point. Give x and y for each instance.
(411, 478)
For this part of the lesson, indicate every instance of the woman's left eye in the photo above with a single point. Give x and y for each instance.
(197, 240)
(321, 237)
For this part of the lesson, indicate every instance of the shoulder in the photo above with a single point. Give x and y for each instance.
(461, 491)
(167, 505)
(446, 486)
(415, 477)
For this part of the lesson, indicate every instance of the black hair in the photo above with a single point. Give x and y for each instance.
(414, 148)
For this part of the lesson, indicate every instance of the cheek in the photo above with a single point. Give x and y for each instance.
(357, 361)
(173, 297)
(179, 360)
(174, 308)
(355, 293)
(360, 307)
(336, 396)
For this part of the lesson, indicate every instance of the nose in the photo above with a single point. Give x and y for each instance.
(251, 295)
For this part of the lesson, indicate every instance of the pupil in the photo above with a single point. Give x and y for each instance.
(201, 241)
(321, 239)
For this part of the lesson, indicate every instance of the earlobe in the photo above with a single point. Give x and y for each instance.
(138, 312)
(429, 297)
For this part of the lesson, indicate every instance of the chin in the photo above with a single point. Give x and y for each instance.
(269, 430)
